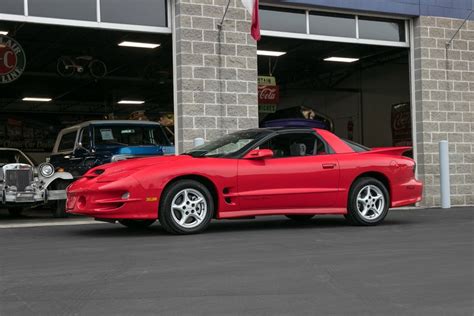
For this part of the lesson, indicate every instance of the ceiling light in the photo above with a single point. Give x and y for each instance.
(3, 32)
(341, 59)
(37, 99)
(270, 53)
(139, 45)
(131, 102)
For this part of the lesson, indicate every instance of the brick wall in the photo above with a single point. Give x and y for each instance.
(216, 70)
(445, 105)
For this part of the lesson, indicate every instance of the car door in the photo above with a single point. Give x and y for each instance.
(301, 175)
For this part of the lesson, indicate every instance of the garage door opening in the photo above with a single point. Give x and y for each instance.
(359, 91)
(75, 74)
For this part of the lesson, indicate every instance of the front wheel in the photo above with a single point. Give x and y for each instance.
(59, 206)
(137, 223)
(368, 202)
(187, 207)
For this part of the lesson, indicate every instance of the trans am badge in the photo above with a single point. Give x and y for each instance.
(12, 59)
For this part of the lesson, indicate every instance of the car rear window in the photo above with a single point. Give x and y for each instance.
(355, 146)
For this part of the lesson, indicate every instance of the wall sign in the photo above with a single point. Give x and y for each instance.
(12, 60)
(268, 94)
(401, 124)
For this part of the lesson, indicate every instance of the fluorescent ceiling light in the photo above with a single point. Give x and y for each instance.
(341, 59)
(139, 45)
(37, 99)
(270, 53)
(131, 102)
(3, 32)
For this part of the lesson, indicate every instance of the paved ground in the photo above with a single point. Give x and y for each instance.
(419, 263)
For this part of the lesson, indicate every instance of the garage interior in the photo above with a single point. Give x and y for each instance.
(357, 96)
(132, 74)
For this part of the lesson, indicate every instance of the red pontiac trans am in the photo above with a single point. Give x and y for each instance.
(297, 172)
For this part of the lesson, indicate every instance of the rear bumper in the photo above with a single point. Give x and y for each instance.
(407, 193)
(107, 201)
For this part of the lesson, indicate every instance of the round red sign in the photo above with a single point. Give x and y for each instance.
(12, 59)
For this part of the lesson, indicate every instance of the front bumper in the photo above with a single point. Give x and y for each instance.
(34, 197)
(106, 200)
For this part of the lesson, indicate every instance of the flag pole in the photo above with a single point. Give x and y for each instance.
(221, 23)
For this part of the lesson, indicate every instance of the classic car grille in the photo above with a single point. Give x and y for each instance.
(19, 178)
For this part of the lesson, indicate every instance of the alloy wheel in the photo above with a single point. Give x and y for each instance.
(370, 202)
(189, 208)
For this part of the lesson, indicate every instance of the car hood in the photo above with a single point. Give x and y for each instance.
(143, 150)
(132, 165)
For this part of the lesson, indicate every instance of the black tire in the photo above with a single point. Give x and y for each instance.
(15, 211)
(167, 219)
(300, 218)
(59, 206)
(137, 223)
(354, 216)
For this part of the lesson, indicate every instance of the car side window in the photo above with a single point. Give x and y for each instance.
(295, 145)
(67, 142)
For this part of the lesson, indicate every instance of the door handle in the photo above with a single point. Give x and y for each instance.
(329, 165)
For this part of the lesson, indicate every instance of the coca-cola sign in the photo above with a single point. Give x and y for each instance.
(268, 94)
(401, 124)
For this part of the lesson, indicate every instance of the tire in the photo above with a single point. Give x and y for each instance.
(137, 223)
(179, 215)
(15, 211)
(300, 218)
(65, 67)
(59, 206)
(368, 203)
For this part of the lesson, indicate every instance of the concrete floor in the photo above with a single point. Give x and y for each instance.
(419, 262)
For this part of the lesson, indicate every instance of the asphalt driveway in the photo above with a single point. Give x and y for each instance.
(420, 262)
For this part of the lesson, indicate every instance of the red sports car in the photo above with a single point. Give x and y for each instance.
(297, 172)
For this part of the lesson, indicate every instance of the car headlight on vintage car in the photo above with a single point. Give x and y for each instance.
(46, 169)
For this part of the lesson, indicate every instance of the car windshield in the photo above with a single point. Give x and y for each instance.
(229, 145)
(12, 156)
(129, 135)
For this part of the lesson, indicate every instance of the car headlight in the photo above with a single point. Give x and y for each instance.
(46, 170)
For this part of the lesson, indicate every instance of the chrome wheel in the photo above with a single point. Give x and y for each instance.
(370, 202)
(189, 208)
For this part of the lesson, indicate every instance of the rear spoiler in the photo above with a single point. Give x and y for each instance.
(396, 151)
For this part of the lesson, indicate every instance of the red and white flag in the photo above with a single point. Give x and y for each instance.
(252, 8)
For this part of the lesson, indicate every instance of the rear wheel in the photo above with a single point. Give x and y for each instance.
(187, 207)
(137, 223)
(15, 211)
(300, 218)
(368, 202)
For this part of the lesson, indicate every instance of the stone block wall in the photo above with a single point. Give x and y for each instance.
(216, 70)
(444, 84)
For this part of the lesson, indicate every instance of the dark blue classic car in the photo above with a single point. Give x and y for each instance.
(89, 144)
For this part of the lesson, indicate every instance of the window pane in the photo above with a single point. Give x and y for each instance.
(67, 142)
(64, 9)
(12, 7)
(283, 20)
(332, 24)
(382, 29)
(139, 12)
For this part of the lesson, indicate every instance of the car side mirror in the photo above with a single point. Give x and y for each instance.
(259, 154)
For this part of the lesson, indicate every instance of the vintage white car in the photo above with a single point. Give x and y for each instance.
(24, 185)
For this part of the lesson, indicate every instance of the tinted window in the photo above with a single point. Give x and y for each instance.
(295, 145)
(12, 7)
(382, 29)
(284, 20)
(67, 142)
(114, 135)
(332, 24)
(355, 146)
(140, 12)
(64, 9)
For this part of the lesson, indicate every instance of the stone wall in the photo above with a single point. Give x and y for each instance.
(445, 105)
(216, 70)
